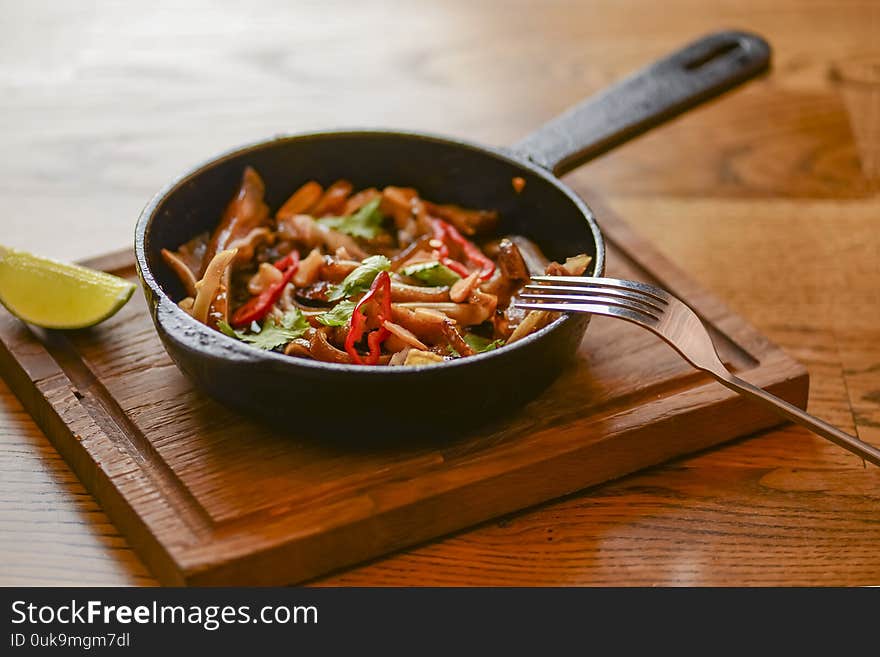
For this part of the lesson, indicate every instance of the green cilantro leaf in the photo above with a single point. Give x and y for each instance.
(339, 315)
(361, 278)
(480, 344)
(272, 334)
(366, 223)
(431, 273)
(226, 329)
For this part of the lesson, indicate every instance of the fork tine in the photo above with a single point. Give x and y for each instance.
(614, 283)
(582, 298)
(682, 329)
(634, 316)
(638, 297)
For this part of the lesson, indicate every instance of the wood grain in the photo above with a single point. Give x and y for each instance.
(212, 498)
(108, 101)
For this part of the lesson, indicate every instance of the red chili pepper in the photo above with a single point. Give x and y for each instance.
(287, 260)
(474, 255)
(259, 306)
(382, 283)
(472, 252)
(439, 227)
(457, 267)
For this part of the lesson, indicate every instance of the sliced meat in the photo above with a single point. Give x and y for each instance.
(304, 229)
(301, 201)
(299, 347)
(464, 287)
(335, 271)
(401, 338)
(266, 275)
(536, 261)
(511, 261)
(321, 349)
(455, 339)
(333, 200)
(184, 273)
(424, 323)
(309, 269)
(245, 211)
(359, 200)
(404, 292)
(468, 222)
(397, 202)
(314, 294)
(248, 244)
(478, 310)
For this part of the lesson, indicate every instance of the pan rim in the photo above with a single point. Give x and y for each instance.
(201, 339)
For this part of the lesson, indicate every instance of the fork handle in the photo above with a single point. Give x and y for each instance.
(795, 414)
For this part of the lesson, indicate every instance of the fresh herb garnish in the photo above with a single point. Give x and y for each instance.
(226, 329)
(272, 334)
(480, 344)
(431, 273)
(361, 278)
(366, 223)
(339, 315)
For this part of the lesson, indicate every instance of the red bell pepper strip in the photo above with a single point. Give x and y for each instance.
(439, 227)
(381, 284)
(287, 260)
(472, 252)
(259, 306)
(456, 266)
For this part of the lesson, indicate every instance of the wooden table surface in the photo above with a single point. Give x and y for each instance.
(758, 195)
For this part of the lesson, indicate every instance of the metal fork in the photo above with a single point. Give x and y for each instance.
(671, 319)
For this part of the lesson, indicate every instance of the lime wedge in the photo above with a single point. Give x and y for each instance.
(54, 294)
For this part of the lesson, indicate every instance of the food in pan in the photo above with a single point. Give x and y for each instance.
(367, 277)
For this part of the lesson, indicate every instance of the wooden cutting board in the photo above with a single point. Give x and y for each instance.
(208, 497)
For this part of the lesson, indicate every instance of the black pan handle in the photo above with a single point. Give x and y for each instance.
(687, 77)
